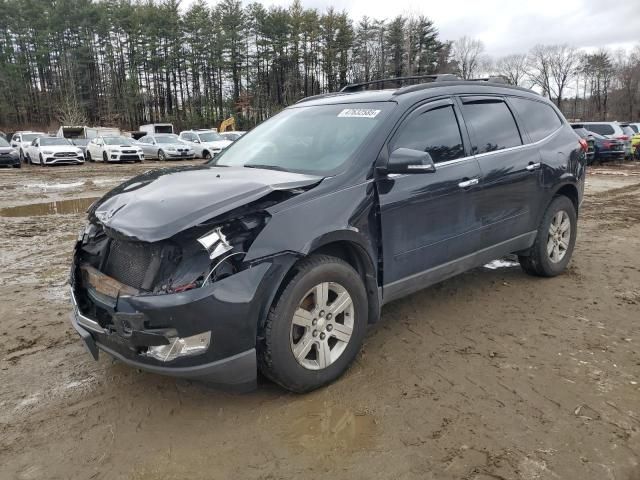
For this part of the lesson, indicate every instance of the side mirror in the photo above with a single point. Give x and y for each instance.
(196, 141)
(407, 160)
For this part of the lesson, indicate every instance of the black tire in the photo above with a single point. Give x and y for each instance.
(23, 158)
(275, 356)
(206, 155)
(42, 164)
(105, 159)
(89, 159)
(538, 262)
(161, 156)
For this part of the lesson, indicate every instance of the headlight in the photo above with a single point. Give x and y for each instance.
(215, 243)
(171, 149)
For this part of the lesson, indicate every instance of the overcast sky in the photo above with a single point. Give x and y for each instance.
(509, 26)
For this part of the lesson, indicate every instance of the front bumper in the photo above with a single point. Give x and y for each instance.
(7, 161)
(126, 157)
(181, 156)
(230, 308)
(51, 160)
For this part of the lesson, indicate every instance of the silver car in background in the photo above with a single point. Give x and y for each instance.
(165, 147)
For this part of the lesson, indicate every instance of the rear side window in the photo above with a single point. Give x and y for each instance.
(435, 131)
(601, 128)
(539, 119)
(492, 125)
(634, 128)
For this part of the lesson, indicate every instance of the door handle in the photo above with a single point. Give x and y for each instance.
(468, 183)
(533, 166)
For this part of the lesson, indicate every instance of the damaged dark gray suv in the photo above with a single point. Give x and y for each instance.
(277, 255)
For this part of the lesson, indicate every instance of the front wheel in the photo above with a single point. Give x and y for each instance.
(161, 156)
(206, 156)
(316, 327)
(555, 240)
(42, 164)
(89, 159)
(105, 159)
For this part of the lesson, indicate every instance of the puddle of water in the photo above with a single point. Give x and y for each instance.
(53, 186)
(60, 207)
(331, 427)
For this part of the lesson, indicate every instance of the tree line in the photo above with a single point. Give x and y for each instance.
(125, 63)
(129, 62)
(599, 85)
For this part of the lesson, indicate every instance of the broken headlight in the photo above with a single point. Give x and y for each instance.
(181, 347)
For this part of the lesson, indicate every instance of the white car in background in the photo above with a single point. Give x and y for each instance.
(22, 140)
(114, 149)
(165, 147)
(53, 151)
(205, 143)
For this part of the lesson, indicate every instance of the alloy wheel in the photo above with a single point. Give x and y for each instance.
(559, 236)
(322, 326)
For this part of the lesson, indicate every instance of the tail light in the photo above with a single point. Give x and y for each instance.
(623, 137)
(607, 144)
(583, 144)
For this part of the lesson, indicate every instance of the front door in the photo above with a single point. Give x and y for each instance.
(428, 219)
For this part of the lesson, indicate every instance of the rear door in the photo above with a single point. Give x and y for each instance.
(428, 219)
(511, 170)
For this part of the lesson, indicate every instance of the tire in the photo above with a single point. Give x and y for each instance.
(23, 159)
(105, 159)
(540, 261)
(206, 155)
(42, 164)
(276, 358)
(89, 159)
(161, 156)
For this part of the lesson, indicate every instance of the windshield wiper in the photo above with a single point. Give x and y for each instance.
(266, 167)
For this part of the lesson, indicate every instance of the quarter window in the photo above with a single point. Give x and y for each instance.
(434, 131)
(493, 126)
(539, 119)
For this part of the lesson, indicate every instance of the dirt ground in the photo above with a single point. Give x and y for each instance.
(491, 375)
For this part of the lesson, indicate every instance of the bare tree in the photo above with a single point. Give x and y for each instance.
(466, 54)
(70, 112)
(628, 75)
(513, 67)
(553, 67)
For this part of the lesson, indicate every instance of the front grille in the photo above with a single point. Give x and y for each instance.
(65, 154)
(129, 262)
(129, 157)
(128, 151)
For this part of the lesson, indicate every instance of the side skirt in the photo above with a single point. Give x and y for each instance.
(406, 286)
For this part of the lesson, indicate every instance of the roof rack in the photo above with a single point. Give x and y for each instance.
(356, 87)
(493, 79)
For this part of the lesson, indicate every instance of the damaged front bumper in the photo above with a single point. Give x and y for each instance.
(128, 326)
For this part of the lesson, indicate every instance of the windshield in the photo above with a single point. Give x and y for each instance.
(210, 137)
(3, 142)
(314, 139)
(167, 139)
(117, 141)
(80, 141)
(49, 141)
(30, 137)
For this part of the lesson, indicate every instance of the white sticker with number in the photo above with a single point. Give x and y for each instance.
(358, 113)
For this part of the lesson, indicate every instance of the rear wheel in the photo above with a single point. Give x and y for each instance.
(555, 240)
(316, 327)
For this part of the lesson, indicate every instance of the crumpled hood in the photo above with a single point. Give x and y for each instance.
(161, 203)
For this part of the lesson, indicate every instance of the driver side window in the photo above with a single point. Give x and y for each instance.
(434, 131)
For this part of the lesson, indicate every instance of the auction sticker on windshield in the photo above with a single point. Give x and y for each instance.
(358, 113)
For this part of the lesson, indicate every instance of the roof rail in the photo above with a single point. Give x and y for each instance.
(493, 79)
(319, 96)
(355, 87)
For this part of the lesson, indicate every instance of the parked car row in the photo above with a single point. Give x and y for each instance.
(40, 148)
(610, 140)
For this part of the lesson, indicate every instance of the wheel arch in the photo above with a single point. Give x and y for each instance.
(569, 190)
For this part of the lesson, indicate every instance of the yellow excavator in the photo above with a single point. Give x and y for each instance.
(227, 125)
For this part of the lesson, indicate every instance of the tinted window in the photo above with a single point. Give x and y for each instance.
(601, 128)
(539, 119)
(493, 126)
(434, 131)
(634, 128)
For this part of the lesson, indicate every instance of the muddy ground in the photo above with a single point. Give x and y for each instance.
(491, 375)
